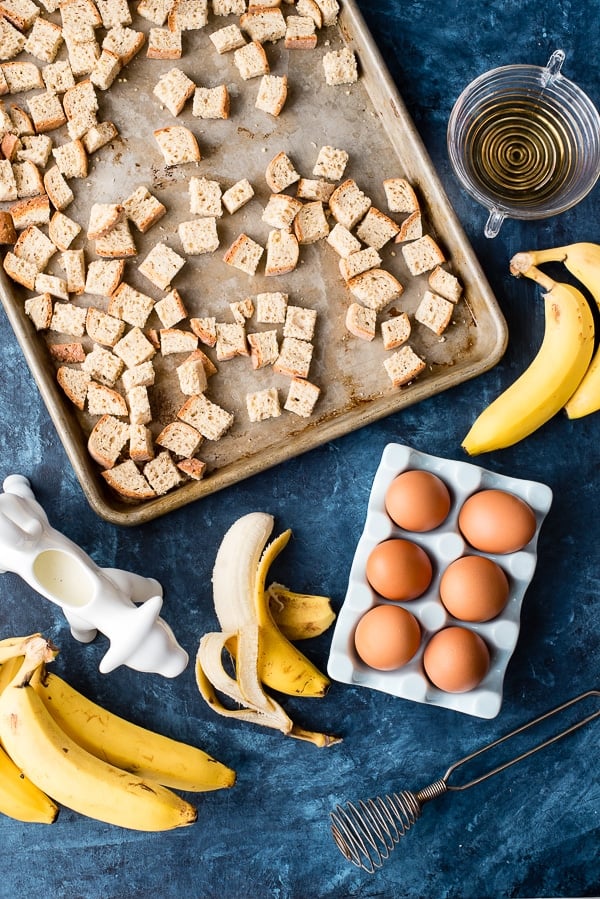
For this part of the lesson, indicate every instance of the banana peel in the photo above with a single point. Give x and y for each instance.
(299, 616)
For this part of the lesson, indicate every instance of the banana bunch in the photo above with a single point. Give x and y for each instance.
(555, 379)
(59, 748)
(248, 614)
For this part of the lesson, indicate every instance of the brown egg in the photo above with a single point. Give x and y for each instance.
(399, 569)
(474, 588)
(417, 500)
(495, 521)
(456, 659)
(387, 637)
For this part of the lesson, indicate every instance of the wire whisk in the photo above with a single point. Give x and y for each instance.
(367, 832)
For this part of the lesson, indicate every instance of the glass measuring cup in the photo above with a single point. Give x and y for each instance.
(524, 141)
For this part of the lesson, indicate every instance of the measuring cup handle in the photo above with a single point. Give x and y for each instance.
(494, 223)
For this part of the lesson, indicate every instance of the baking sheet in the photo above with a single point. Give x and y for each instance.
(370, 121)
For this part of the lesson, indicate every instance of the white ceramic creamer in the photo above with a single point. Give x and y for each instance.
(124, 606)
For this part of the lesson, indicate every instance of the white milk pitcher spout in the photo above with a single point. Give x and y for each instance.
(124, 606)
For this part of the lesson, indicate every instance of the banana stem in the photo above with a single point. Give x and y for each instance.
(552, 254)
(38, 651)
(523, 264)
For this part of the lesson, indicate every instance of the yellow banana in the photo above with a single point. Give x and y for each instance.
(583, 261)
(299, 616)
(281, 665)
(126, 745)
(19, 797)
(240, 598)
(553, 375)
(72, 776)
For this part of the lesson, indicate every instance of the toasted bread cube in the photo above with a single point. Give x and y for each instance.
(178, 145)
(434, 312)
(211, 102)
(130, 305)
(210, 419)
(349, 204)
(171, 309)
(302, 397)
(231, 341)
(331, 163)
(227, 39)
(395, 331)
(103, 366)
(343, 241)
(39, 310)
(237, 196)
(162, 473)
(300, 322)
(376, 229)
(271, 307)
(340, 67)
(294, 358)
(244, 254)
(251, 60)
(199, 236)
(75, 384)
(181, 438)
(375, 288)
(272, 94)
(205, 329)
(400, 195)
(174, 89)
(357, 263)
(263, 404)
(422, 255)
(134, 348)
(264, 348)
(141, 443)
(445, 284)
(192, 377)
(205, 197)
(161, 265)
(361, 321)
(143, 209)
(68, 319)
(403, 366)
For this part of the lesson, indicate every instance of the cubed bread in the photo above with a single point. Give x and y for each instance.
(329, 11)
(227, 39)
(134, 348)
(349, 204)
(302, 397)
(131, 305)
(178, 145)
(251, 60)
(244, 254)
(8, 182)
(205, 197)
(294, 357)
(52, 284)
(163, 43)
(263, 404)
(46, 111)
(143, 375)
(264, 348)
(102, 218)
(141, 443)
(445, 284)
(359, 262)
(272, 94)
(176, 340)
(300, 322)
(283, 252)
(211, 102)
(403, 366)
(192, 468)
(174, 89)
(32, 211)
(281, 210)
(434, 312)
(72, 263)
(237, 196)
(376, 228)
(180, 438)
(410, 229)
(300, 33)
(361, 321)
(161, 265)
(98, 136)
(68, 319)
(22, 76)
(192, 377)
(171, 309)
(114, 12)
(271, 307)
(103, 366)
(103, 328)
(228, 7)
(395, 331)
(12, 41)
(188, 15)
(71, 159)
(422, 255)
(309, 9)
(156, 11)
(57, 188)
(74, 382)
(143, 209)
(69, 353)
(281, 173)
(127, 480)
(375, 288)
(400, 195)
(36, 148)
(58, 76)
(314, 189)
(63, 230)
(33, 245)
(199, 236)
(263, 23)
(103, 400)
(107, 440)
(340, 67)
(138, 403)
(44, 40)
(124, 42)
(343, 241)
(231, 341)
(310, 223)
(331, 163)
(104, 276)
(28, 179)
(39, 310)
(205, 329)
(210, 419)
(242, 310)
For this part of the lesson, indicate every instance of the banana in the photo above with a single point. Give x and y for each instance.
(583, 261)
(553, 375)
(73, 777)
(126, 745)
(299, 616)
(240, 599)
(19, 797)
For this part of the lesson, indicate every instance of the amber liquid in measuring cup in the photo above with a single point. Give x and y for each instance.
(525, 142)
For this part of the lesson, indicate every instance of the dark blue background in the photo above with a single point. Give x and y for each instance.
(533, 831)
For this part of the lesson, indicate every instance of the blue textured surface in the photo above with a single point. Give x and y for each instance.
(533, 831)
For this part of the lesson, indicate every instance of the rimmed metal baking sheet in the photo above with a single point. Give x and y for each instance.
(370, 121)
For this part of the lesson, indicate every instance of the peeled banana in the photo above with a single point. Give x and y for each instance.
(552, 377)
(299, 616)
(72, 776)
(262, 654)
(583, 261)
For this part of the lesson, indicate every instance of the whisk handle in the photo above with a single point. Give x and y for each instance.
(519, 730)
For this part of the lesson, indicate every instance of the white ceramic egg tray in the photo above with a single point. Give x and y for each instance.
(443, 545)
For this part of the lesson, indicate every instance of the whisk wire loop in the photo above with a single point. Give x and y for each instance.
(367, 832)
